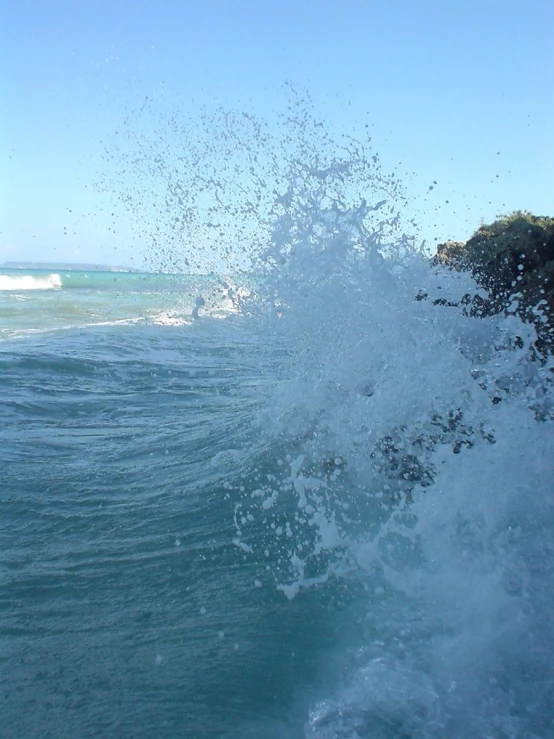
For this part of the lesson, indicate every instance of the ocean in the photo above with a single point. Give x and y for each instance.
(314, 500)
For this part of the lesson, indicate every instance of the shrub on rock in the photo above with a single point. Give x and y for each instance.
(513, 258)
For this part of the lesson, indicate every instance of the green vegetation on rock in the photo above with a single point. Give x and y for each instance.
(513, 259)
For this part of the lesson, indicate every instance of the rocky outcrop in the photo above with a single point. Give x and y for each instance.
(513, 259)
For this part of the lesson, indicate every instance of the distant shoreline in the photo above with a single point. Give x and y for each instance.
(66, 267)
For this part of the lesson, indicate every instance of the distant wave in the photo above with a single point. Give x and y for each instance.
(28, 282)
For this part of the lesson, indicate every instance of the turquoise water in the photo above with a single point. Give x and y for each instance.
(125, 608)
(307, 503)
(206, 530)
(39, 301)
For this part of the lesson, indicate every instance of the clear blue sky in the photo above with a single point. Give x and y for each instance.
(455, 91)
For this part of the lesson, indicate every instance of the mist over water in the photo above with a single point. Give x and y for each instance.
(368, 504)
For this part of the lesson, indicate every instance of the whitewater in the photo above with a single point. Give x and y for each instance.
(314, 499)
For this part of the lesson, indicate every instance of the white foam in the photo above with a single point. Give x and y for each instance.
(30, 282)
(443, 505)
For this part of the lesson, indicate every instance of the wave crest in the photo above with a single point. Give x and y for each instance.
(16, 283)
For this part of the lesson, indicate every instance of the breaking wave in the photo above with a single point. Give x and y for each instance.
(17, 283)
(404, 454)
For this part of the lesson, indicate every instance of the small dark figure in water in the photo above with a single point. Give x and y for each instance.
(200, 302)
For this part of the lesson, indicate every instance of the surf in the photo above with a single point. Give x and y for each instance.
(23, 282)
(328, 514)
(403, 453)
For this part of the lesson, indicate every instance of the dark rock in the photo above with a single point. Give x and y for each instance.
(513, 259)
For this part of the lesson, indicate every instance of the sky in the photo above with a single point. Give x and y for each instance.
(457, 95)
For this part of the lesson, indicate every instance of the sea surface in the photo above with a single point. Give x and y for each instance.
(313, 501)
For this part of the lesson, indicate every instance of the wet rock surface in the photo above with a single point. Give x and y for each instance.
(513, 259)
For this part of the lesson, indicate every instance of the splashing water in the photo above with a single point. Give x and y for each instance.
(405, 452)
